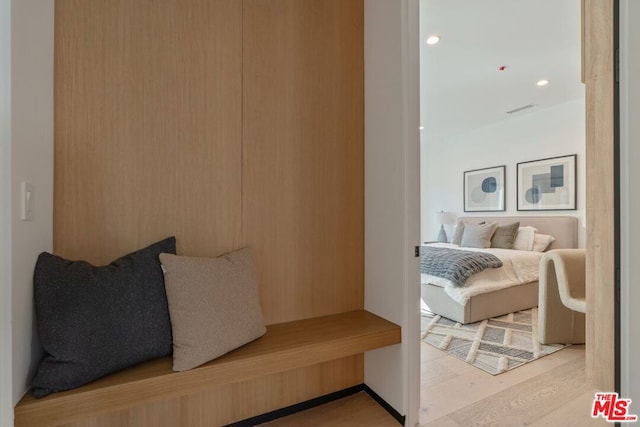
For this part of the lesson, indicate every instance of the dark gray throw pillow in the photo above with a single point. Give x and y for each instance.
(505, 235)
(93, 321)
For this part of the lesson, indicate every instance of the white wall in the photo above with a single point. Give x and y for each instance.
(6, 394)
(392, 196)
(630, 200)
(550, 132)
(31, 160)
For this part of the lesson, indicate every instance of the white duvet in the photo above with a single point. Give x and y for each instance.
(519, 267)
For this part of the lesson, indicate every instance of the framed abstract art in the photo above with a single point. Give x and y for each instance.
(547, 184)
(484, 190)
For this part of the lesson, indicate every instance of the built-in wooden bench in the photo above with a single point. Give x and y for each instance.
(284, 347)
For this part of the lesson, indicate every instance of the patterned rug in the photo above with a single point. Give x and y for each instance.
(495, 345)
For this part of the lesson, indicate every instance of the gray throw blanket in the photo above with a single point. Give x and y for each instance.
(455, 265)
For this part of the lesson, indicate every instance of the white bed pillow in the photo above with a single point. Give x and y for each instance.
(525, 238)
(542, 241)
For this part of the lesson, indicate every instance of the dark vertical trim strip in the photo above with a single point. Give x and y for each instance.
(242, 125)
(616, 186)
(390, 409)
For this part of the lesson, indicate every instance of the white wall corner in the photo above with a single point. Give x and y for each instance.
(392, 196)
(31, 59)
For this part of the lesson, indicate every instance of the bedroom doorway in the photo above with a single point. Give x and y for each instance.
(458, 115)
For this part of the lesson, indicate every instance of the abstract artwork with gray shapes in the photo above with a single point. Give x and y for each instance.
(545, 183)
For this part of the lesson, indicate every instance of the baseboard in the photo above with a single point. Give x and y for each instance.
(298, 407)
(390, 409)
(312, 403)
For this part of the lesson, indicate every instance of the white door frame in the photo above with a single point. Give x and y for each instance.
(629, 202)
(392, 197)
(6, 380)
(411, 96)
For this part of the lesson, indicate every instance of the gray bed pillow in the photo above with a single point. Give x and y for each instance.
(505, 235)
(478, 235)
(459, 231)
(93, 321)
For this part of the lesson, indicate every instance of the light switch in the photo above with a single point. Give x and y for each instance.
(27, 201)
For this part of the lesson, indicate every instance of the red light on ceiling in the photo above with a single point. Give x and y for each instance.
(502, 67)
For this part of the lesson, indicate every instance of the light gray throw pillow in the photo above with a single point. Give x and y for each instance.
(505, 235)
(213, 305)
(459, 230)
(457, 233)
(478, 235)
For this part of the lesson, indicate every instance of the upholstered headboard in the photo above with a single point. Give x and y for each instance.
(563, 228)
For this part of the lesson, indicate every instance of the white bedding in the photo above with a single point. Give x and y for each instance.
(519, 267)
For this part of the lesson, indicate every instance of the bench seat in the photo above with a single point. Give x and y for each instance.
(284, 347)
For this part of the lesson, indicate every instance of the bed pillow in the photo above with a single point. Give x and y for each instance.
(542, 241)
(505, 235)
(478, 235)
(524, 238)
(459, 231)
(93, 321)
(214, 305)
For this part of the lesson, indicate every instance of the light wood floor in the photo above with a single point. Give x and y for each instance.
(550, 391)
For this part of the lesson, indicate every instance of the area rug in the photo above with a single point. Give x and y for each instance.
(494, 345)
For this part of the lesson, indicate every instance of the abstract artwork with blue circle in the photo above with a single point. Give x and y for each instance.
(484, 189)
(547, 184)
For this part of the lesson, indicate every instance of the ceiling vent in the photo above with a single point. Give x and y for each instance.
(517, 110)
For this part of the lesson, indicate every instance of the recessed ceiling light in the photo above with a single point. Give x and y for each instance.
(434, 39)
(421, 128)
(543, 82)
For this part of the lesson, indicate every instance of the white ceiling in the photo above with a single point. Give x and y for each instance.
(461, 86)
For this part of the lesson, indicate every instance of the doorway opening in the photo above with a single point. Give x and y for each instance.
(496, 92)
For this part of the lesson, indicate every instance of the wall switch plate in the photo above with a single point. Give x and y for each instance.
(27, 193)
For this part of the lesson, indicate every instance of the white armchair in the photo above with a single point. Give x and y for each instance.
(561, 297)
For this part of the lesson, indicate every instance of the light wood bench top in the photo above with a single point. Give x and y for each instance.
(285, 346)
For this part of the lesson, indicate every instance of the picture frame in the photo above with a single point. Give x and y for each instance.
(484, 189)
(547, 184)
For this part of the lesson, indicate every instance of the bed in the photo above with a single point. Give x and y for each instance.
(474, 306)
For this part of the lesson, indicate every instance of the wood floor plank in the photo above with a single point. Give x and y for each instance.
(442, 422)
(525, 403)
(573, 412)
(470, 395)
(473, 385)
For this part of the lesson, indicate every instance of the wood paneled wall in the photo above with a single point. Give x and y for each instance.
(303, 157)
(228, 403)
(598, 72)
(225, 123)
(148, 126)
